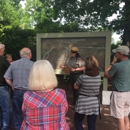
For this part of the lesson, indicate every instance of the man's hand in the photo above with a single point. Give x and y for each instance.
(10, 83)
(62, 66)
(114, 60)
(73, 70)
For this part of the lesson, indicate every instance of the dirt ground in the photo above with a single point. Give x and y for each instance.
(105, 123)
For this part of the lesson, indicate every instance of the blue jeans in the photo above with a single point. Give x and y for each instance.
(91, 121)
(17, 108)
(5, 108)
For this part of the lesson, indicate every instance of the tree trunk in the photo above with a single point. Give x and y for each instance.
(126, 33)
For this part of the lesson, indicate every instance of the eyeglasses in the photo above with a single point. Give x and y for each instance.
(73, 51)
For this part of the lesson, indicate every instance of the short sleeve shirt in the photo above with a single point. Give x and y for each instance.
(73, 63)
(18, 72)
(89, 85)
(121, 76)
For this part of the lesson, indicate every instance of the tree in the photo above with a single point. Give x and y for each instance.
(94, 15)
(10, 14)
(16, 38)
(37, 12)
(41, 18)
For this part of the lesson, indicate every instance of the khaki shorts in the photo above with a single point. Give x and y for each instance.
(120, 104)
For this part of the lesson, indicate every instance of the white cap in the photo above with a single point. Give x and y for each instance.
(122, 49)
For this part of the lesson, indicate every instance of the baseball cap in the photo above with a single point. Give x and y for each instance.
(122, 49)
(74, 49)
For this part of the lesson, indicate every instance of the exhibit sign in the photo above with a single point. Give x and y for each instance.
(56, 47)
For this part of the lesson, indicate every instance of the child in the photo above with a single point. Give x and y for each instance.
(9, 58)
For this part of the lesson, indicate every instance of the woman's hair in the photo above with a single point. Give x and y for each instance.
(75, 50)
(42, 76)
(8, 55)
(91, 66)
(77, 55)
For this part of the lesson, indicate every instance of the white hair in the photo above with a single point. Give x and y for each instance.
(25, 52)
(42, 76)
(1, 45)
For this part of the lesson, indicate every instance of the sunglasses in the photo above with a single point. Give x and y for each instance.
(73, 51)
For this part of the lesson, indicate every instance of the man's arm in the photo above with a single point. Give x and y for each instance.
(78, 69)
(9, 82)
(106, 74)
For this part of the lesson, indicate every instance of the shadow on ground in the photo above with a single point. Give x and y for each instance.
(106, 122)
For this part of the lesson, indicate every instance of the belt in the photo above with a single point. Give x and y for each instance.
(89, 95)
(76, 73)
(120, 91)
(20, 89)
(2, 85)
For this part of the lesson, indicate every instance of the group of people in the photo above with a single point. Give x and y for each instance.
(39, 104)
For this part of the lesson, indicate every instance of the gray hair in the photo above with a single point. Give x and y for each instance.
(24, 53)
(1, 45)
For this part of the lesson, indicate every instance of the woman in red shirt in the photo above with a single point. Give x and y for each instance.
(44, 107)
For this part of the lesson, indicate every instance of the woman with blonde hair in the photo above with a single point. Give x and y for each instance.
(88, 103)
(44, 107)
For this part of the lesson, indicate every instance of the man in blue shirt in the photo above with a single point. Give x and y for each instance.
(120, 98)
(17, 77)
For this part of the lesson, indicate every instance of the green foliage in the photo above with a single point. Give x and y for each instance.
(16, 38)
(94, 15)
(18, 26)
(37, 12)
(48, 26)
(10, 14)
(86, 12)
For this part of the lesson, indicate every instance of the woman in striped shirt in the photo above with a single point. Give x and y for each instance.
(88, 103)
